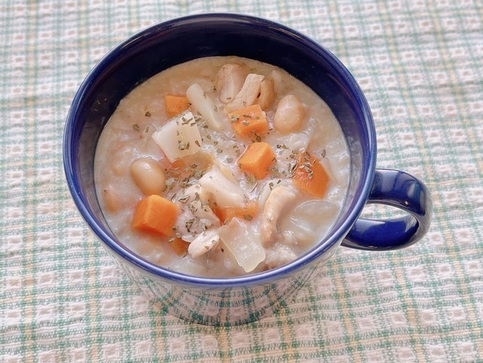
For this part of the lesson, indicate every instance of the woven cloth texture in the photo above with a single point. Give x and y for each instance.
(63, 299)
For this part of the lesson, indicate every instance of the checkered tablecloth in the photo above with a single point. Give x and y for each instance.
(62, 299)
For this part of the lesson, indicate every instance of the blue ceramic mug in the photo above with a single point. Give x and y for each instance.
(220, 301)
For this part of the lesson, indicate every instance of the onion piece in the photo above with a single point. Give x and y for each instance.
(243, 243)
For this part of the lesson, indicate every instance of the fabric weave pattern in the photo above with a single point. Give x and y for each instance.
(63, 299)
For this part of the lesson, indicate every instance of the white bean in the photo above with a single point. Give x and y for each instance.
(289, 115)
(111, 199)
(148, 176)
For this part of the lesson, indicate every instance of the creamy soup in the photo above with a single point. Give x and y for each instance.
(221, 166)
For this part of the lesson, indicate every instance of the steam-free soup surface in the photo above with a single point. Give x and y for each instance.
(221, 166)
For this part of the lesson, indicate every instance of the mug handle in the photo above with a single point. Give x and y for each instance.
(401, 190)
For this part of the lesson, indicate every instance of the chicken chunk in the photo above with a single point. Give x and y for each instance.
(225, 191)
(205, 242)
(229, 81)
(267, 94)
(248, 93)
(279, 198)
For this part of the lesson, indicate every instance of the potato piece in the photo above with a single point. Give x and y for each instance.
(179, 137)
(205, 106)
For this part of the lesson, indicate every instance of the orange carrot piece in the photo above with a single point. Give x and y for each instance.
(247, 212)
(174, 105)
(257, 159)
(249, 121)
(179, 164)
(179, 246)
(310, 176)
(155, 215)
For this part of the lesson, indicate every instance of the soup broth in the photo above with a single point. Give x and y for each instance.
(220, 167)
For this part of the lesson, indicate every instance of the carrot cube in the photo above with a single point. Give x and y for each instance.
(179, 246)
(247, 212)
(257, 159)
(249, 121)
(155, 215)
(174, 105)
(310, 176)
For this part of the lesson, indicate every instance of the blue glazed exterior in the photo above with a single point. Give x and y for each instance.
(246, 298)
(401, 190)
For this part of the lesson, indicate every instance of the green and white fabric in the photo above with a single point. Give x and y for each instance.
(63, 299)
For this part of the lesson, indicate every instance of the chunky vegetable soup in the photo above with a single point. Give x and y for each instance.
(221, 166)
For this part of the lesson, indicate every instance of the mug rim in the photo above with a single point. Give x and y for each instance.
(120, 250)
